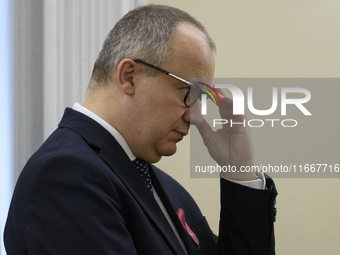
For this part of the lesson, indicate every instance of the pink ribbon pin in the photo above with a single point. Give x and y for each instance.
(181, 216)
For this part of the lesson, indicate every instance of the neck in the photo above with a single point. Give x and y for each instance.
(103, 100)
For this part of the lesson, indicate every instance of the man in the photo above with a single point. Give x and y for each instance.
(82, 191)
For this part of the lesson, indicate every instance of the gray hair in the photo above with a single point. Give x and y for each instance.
(144, 33)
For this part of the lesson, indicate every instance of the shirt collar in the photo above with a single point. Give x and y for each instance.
(120, 139)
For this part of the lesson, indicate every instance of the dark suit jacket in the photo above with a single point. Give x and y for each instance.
(80, 194)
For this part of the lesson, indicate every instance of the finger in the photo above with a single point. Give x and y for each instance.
(217, 95)
(219, 91)
(211, 92)
(205, 131)
(224, 102)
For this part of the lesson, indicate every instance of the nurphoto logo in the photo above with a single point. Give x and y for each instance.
(239, 104)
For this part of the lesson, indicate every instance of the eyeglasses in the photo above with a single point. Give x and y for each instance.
(194, 90)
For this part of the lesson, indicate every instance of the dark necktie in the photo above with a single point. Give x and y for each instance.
(143, 170)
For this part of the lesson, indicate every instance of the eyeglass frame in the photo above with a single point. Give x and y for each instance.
(175, 77)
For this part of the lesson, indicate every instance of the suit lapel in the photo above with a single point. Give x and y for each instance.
(126, 171)
(171, 208)
(115, 157)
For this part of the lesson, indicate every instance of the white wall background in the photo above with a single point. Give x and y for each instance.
(74, 32)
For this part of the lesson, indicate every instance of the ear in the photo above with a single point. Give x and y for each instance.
(125, 72)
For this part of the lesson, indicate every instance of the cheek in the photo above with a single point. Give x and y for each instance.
(158, 112)
(158, 125)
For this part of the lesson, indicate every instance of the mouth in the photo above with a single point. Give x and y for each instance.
(180, 135)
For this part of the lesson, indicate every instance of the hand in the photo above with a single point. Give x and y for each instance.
(229, 145)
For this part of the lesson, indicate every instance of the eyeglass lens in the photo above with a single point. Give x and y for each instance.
(193, 95)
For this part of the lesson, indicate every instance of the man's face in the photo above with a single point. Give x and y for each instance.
(160, 118)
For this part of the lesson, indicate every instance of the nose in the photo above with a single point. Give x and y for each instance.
(193, 114)
(186, 115)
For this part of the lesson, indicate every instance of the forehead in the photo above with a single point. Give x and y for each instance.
(191, 55)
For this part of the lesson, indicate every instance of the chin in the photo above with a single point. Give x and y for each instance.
(169, 150)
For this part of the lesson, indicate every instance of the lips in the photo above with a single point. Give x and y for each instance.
(180, 135)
